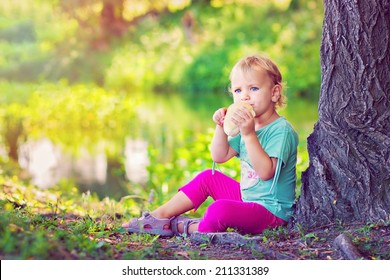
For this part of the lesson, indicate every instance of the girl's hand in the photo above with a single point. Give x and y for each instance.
(244, 120)
(219, 116)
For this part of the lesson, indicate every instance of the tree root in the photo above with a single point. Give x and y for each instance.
(345, 245)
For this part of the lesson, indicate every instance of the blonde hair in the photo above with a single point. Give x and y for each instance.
(262, 63)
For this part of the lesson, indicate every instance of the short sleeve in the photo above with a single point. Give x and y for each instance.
(280, 144)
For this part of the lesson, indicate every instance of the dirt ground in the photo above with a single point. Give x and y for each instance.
(353, 242)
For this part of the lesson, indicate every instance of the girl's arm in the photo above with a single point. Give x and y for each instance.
(220, 148)
(221, 151)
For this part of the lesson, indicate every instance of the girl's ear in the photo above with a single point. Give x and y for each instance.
(276, 93)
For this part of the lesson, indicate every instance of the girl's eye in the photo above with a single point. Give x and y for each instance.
(254, 88)
(237, 90)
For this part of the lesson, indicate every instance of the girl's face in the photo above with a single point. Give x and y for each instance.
(255, 88)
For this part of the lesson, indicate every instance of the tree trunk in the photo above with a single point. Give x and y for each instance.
(348, 178)
(13, 133)
(111, 19)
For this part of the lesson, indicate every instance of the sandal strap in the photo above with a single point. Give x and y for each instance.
(147, 223)
(186, 225)
(186, 221)
(175, 225)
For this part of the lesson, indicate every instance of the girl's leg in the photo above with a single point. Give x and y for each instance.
(217, 185)
(194, 193)
(177, 205)
(246, 217)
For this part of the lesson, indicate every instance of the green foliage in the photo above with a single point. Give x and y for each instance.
(363, 240)
(222, 35)
(34, 41)
(59, 44)
(276, 234)
(72, 115)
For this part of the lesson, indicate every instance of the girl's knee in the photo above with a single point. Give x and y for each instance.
(216, 217)
(206, 173)
(205, 177)
(219, 209)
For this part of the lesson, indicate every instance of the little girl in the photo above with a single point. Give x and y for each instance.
(267, 149)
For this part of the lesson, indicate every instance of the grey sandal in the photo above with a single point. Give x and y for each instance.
(151, 225)
(186, 221)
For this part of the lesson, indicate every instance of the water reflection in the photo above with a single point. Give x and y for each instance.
(42, 161)
(48, 164)
(136, 160)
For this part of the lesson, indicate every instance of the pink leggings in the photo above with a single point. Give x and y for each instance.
(228, 209)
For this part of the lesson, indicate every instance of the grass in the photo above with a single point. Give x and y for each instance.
(60, 224)
(31, 228)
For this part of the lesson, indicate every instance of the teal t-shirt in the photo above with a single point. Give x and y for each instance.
(279, 140)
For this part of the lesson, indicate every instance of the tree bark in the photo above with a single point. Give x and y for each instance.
(348, 178)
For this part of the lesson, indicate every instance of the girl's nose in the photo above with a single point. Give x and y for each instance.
(244, 95)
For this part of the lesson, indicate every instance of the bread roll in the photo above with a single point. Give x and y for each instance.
(228, 126)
